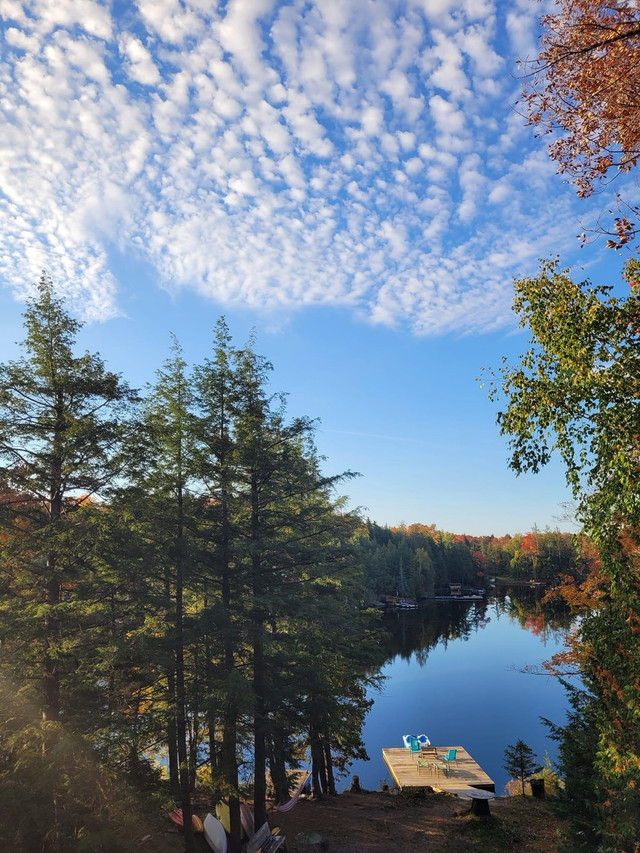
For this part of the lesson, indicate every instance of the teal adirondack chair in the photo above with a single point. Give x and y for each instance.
(414, 745)
(450, 757)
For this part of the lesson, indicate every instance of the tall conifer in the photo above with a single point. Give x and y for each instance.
(164, 459)
(61, 420)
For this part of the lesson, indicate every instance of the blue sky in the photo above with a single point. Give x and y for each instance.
(350, 178)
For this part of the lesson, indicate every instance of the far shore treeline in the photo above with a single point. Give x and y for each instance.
(420, 561)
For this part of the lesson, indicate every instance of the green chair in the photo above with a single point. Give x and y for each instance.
(427, 765)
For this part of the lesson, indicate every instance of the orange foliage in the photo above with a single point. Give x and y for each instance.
(426, 529)
(583, 596)
(587, 83)
(535, 624)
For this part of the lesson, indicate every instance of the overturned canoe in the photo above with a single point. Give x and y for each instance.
(214, 834)
(176, 817)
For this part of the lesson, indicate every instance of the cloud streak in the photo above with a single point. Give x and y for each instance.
(279, 155)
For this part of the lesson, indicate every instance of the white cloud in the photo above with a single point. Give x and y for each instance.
(240, 33)
(278, 153)
(18, 38)
(138, 61)
(436, 9)
(371, 120)
(170, 21)
(476, 44)
(91, 16)
(520, 25)
(449, 75)
(447, 117)
(398, 87)
(500, 192)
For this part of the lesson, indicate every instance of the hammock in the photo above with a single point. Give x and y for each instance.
(294, 799)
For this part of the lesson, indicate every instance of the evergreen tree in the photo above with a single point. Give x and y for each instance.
(61, 419)
(289, 520)
(520, 761)
(577, 800)
(217, 399)
(162, 463)
(171, 419)
(187, 574)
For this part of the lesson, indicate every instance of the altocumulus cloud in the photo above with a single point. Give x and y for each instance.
(355, 153)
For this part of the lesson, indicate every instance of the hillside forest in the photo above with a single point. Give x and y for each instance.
(419, 561)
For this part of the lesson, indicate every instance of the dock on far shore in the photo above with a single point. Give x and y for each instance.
(463, 774)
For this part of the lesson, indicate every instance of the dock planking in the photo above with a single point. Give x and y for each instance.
(465, 774)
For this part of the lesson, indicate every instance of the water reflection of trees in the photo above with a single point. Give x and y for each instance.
(548, 620)
(416, 632)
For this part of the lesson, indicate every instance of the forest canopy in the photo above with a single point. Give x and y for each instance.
(167, 563)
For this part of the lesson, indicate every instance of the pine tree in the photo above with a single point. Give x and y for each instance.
(61, 421)
(216, 387)
(520, 761)
(291, 533)
(577, 801)
(162, 468)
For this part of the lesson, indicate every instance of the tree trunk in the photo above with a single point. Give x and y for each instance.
(210, 712)
(328, 760)
(259, 684)
(259, 726)
(278, 771)
(194, 726)
(50, 663)
(317, 763)
(181, 699)
(230, 711)
(172, 734)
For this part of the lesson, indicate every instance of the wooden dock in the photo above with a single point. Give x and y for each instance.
(465, 773)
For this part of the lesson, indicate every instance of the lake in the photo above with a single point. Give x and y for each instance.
(455, 673)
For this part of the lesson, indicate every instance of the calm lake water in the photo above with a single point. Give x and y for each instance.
(455, 673)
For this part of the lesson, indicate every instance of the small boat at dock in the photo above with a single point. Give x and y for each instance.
(457, 592)
(394, 602)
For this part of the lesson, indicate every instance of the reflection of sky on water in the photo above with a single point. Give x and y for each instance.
(469, 691)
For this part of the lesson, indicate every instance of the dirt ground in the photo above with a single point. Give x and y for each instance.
(373, 822)
(376, 822)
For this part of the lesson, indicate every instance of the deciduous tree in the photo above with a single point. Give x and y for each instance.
(576, 392)
(585, 85)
